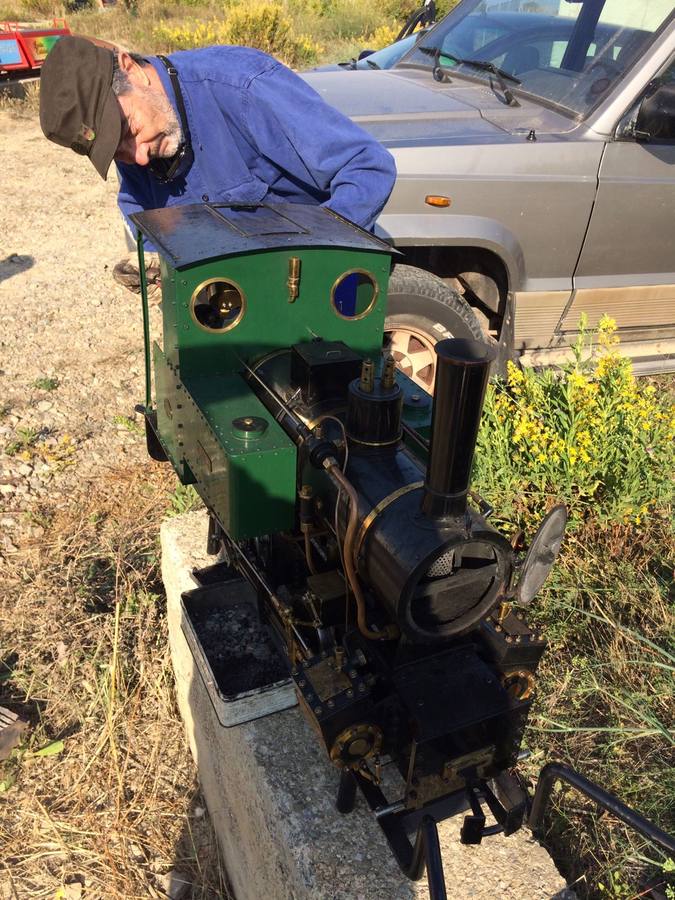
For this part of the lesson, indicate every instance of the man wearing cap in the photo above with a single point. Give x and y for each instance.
(220, 124)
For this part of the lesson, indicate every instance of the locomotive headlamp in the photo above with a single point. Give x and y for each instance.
(543, 552)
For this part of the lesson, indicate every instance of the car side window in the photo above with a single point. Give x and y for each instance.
(655, 119)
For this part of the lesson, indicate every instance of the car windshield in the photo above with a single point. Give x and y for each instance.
(566, 52)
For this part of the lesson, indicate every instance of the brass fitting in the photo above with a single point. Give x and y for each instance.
(367, 374)
(388, 373)
(293, 279)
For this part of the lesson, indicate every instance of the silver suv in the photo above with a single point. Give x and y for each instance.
(535, 146)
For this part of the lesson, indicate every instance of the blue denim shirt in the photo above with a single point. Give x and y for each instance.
(260, 132)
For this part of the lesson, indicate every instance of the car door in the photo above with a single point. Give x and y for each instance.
(627, 264)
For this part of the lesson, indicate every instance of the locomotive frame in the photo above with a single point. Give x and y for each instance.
(341, 492)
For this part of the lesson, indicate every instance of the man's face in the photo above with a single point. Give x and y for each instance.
(150, 127)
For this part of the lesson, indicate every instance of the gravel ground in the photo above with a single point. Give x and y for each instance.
(71, 369)
(71, 363)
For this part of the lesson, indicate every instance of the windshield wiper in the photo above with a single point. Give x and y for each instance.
(483, 64)
(500, 74)
(371, 63)
(439, 72)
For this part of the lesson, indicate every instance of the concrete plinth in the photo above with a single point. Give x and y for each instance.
(271, 794)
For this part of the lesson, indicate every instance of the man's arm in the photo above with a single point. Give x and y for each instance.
(289, 123)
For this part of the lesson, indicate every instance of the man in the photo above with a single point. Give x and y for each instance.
(220, 124)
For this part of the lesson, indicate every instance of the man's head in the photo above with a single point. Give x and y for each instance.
(105, 104)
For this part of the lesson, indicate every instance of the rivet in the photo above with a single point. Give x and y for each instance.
(350, 693)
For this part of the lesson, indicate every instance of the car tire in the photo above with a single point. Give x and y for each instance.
(422, 310)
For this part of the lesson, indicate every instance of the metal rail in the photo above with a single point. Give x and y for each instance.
(559, 772)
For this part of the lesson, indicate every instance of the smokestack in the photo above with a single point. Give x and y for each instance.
(462, 372)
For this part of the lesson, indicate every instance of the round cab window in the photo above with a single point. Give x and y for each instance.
(218, 305)
(354, 294)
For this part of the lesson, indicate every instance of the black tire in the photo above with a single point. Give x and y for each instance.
(422, 310)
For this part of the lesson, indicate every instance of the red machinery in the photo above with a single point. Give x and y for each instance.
(24, 46)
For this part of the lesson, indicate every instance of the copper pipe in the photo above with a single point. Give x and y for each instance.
(391, 631)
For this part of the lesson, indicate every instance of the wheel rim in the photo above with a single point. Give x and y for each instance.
(414, 353)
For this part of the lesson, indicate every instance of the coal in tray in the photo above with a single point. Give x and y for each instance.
(237, 646)
(243, 671)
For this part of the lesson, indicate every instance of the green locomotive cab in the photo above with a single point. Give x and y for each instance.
(238, 283)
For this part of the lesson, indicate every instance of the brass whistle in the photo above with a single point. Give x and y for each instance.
(293, 279)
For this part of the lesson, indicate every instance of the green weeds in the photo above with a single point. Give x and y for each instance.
(46, 384)
(590, 434)
(129, 424)
(24, 441)
(184, 499)
(601, 441)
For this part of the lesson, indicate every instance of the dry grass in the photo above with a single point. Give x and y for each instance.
(85, 658)
(606, 700)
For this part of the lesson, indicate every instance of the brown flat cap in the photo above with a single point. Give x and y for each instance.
(78, 108)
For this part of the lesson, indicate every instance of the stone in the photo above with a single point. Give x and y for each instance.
(174, 884)
(270, 791)
(44, 405)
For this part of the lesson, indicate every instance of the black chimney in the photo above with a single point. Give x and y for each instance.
(462, 372)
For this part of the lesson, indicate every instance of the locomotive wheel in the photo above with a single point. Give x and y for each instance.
(422, 310)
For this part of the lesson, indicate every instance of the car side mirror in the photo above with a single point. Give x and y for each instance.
(656, 114)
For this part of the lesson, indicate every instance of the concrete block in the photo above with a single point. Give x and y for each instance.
(271, 791)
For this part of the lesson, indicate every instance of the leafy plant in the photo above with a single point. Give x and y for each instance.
(184, 499)
(130, 424)
(46, 384)
(24, 440)
(590, 434)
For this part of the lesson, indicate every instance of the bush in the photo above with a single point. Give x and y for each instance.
(261, 25)
(381, 37)
(590, 434)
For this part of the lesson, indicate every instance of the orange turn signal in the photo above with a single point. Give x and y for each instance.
(436, 200)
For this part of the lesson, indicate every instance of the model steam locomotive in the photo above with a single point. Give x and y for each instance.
(340, 490)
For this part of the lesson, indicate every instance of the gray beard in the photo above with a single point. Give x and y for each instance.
(172, 131)
(174, 134)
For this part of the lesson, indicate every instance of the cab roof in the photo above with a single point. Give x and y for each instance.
(195, 233)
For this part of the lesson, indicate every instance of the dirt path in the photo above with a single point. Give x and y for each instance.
(82, 637)
(62, 317)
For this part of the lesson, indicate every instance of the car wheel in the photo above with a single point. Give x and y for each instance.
(422, 310)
